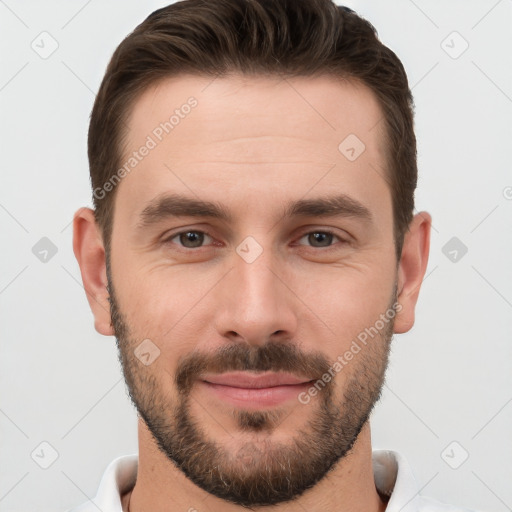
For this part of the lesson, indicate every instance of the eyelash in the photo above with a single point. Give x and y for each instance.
(323, 231)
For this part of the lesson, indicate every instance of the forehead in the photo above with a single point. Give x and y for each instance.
(243, 137)
(258, 105)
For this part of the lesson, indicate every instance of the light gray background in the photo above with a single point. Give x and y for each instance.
(450, 377)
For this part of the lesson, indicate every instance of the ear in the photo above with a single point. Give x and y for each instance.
(412, 267)
(90, 254)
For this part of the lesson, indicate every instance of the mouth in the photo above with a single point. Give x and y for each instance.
(254, 391)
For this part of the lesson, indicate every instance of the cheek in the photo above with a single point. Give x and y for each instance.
(347, 302)
(172, 307)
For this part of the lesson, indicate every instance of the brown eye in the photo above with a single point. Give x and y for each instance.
(320, 238)
(189, 239)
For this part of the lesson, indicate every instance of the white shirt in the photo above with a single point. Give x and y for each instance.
(392, 474)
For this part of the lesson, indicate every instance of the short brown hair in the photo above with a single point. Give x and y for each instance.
(267, 37)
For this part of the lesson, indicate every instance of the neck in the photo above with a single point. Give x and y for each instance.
(161, 486)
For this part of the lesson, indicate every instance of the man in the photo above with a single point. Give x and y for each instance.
(253, 249)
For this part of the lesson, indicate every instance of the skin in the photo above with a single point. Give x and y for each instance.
(253, 144)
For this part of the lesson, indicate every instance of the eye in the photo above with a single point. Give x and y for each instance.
(321, 238)
(194, 239)
(189, 239)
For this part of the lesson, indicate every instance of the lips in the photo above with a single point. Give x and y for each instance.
(254, 391)
(254, 381)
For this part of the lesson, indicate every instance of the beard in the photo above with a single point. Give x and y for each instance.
(257, 471)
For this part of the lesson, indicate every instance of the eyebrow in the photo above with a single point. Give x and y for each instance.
(175, 205)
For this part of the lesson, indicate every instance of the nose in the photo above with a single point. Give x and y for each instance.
(255, 301)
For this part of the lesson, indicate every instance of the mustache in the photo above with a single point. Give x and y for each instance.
(273, 356)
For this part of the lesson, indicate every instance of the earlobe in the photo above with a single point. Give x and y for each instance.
(90, 254)
(412, 268)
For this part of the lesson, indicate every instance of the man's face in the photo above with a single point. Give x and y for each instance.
(264, 289)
